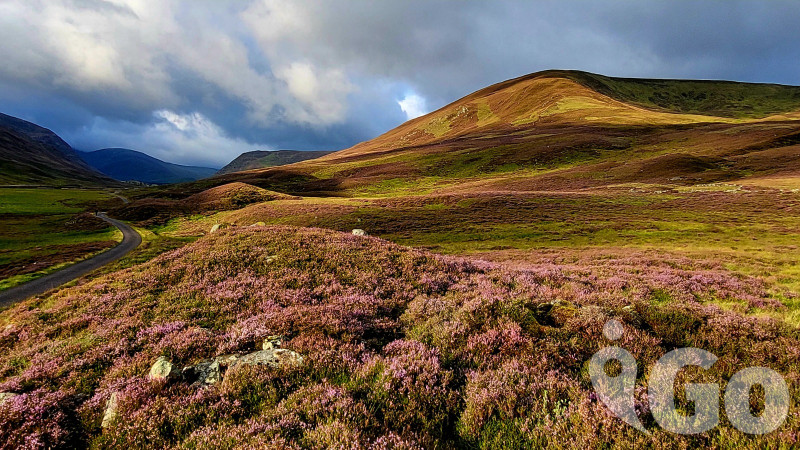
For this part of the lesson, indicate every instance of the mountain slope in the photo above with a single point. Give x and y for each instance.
(126, 165)
(558, 130)
(262, 159)
(570, 98)
(30, 154)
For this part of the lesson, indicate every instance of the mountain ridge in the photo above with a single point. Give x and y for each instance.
(130, 165)
(32, 154)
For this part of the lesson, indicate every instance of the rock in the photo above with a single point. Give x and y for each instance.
(217, 227)
(212, 371)
(6, 396)
(110, 415)
(163, 369)
(258, 224)
(272, 342)
(359, 232)
(273, 358)
(209, 371)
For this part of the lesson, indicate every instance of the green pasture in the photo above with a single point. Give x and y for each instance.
(33, 227)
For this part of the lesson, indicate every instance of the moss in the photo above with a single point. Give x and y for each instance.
(438, 126)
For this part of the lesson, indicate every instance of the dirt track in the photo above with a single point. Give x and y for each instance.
(130, 240)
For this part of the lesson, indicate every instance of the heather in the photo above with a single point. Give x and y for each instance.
(402, 348)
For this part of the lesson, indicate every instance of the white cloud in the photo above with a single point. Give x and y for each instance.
(413, 105)
(321, 95)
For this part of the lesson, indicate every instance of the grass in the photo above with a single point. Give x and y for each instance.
(719, 98)
(20, 201)
(40, 231)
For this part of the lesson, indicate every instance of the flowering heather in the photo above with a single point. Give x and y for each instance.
(402, 349)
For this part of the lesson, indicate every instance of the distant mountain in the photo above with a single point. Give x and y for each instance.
(129, 165)
(262, 159)
(30, 154)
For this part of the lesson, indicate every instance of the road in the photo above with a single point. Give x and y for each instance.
(130, 240)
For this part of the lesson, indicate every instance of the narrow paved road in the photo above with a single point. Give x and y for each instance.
(130, 240)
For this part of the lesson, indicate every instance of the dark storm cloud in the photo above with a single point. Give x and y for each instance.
(200, 81)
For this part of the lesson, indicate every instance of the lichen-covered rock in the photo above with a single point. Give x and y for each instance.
(209, 371)
(110, 414)
(280, 357)
(259, 224)
(359, 232)
(6, 396)
(212, 371)
(555, 313)
(272, 342)
(163, 370)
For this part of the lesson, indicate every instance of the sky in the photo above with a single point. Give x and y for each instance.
(201, 81)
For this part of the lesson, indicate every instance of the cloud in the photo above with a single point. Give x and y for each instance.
(322, 74)
(321, 94)
(190, 138)
(413, 105)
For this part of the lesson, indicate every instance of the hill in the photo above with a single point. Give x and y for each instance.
(262, 159)
(129, 165)
(30, 154)
(558, 130)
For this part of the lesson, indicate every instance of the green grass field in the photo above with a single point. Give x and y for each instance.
(23, 201)
(41, 230)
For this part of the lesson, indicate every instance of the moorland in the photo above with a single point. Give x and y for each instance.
(505, 230)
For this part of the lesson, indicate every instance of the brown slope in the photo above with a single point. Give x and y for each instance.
(562, 130)
(544, 99)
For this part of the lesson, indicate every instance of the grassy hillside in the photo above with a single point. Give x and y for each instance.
(559, 130)
(706, 97)
(45, 229)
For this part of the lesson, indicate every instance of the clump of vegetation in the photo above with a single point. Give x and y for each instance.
(402, 348)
